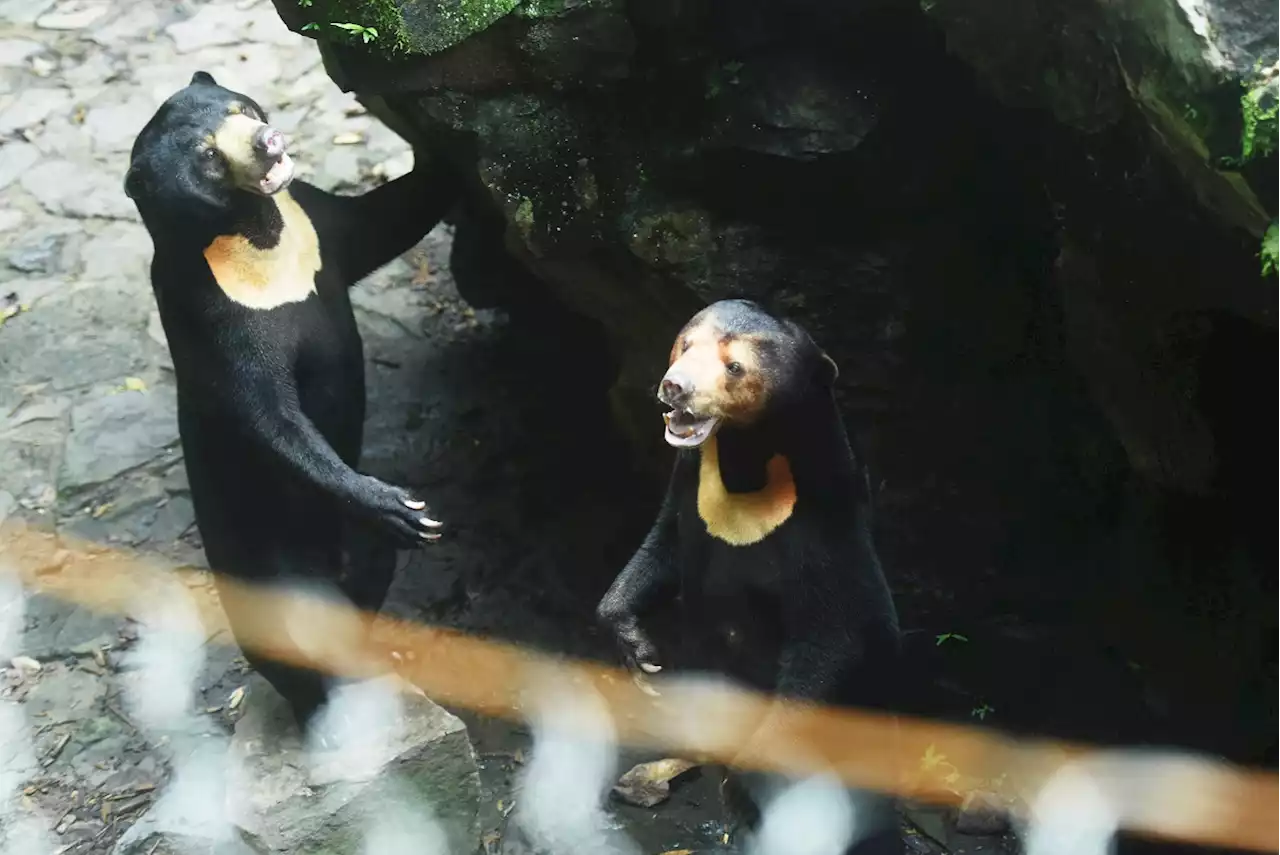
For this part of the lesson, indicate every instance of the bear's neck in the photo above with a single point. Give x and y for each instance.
(255, 218)
(809, 435)
(743, 455)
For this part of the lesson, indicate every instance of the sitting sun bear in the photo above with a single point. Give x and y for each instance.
(251, 271)
(765, 535)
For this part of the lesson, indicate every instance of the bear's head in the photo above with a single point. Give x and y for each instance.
(205, 149)
(736, 365)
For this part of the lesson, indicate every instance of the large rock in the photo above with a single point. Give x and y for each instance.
(117, 432)
(1028, 233)
(405, 771)
(418, 757)
(641, 164)
(401, 778)
(1201, 71)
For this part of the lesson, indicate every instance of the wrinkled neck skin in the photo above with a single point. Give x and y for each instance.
(808, 433)
(255, 217)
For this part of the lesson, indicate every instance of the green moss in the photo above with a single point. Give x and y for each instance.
(1270, 251)
(1259, 108)
(436, 25)
(524, 218)
(671, 237)
(408, 26)
(554, 8)
(543, 8)
(382, 15)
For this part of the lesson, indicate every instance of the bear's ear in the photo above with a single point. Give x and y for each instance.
(827, 369)
(202, 78)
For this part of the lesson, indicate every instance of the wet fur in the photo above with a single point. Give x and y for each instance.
(764, 537)
(253, 296)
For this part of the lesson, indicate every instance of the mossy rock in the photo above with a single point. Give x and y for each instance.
(1199, 77)
(1259, 109)
(426, 27)
(421, 27)
(1270, 252)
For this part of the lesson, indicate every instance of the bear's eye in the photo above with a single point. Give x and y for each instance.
(734, 368)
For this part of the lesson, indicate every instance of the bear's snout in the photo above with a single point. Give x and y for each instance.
(268, 142)
(674, 389)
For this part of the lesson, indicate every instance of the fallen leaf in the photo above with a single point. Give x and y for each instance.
(236, 697)
(350, 138)
(678, 852)
(422, 274)
(648, 784)
(134, 384)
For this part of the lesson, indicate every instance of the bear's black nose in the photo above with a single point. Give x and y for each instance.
(269, 142)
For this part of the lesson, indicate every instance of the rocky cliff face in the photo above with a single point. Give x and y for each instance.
(1201, 73)
(1029, 232)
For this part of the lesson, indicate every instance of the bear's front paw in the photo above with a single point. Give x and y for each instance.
(400, 514)
(639, 653)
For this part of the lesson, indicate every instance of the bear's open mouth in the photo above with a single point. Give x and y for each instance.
(278, 176)
(687, 430)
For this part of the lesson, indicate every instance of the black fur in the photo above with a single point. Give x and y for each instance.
(810, 601)
(272, 402)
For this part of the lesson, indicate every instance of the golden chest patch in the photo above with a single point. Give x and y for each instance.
(741, 519)
(268, 278)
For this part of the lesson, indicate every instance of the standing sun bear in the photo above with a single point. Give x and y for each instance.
(765, 535)
(251, 272)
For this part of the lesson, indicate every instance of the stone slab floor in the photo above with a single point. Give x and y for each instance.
(88, 434)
